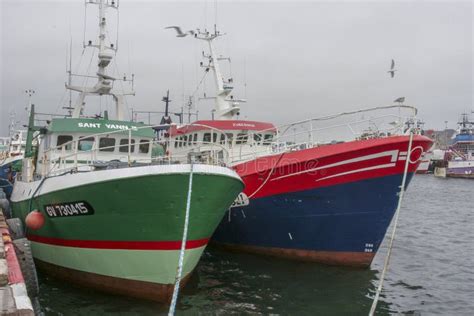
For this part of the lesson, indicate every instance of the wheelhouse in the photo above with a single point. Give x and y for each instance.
(236, 137)
(82, 141)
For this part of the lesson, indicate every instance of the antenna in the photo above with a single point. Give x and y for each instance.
(189, 105)
(166, 119)
(245, 78)
(107, 50)
(215, 16)
(226, 107)
(69, 108)
(30, 93)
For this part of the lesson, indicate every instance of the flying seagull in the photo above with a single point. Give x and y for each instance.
(392, 69)
(179, 31)
(400, 100)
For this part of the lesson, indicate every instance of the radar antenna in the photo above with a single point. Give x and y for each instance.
(107, 50)
(226, 107)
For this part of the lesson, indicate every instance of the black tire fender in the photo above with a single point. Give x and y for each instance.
(27, 265)
(17, 230)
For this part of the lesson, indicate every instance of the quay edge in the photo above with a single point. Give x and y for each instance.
(14, 299)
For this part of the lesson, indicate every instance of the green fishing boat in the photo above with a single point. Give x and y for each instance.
(107, 214)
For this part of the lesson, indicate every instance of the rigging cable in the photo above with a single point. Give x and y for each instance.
(392, 237)
(199, 84)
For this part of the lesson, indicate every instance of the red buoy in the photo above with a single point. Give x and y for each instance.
(34, 220)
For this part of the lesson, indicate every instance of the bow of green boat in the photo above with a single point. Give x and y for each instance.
(104, 211)
(120, 230)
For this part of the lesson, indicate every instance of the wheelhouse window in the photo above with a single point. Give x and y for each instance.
(230, 138)
(190, 140)
(107, 144)
(124, 145)
(195, 138)
(257, 138)
(214, 138)
(176, 142)
(268, 139)
(185, 140)
(207, 138)
(241, 138)
(63, 139)
(144, 146)
(222, 142)
(85, 144)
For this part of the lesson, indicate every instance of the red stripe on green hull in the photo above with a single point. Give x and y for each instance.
(114, 244)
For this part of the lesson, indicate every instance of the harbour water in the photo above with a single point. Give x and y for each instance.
(431, 272)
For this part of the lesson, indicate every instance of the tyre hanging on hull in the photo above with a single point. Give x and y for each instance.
(16, 228)
(27, 265)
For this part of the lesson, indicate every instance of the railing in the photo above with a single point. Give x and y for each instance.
(362, 124)
(375, 126)
(68, 156)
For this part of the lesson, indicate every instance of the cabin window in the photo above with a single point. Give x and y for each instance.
(144, 146)
(222, 142)
(107, 144)
(185, 142)
(241, 138)
(180, 141)
(176, 143)
(195, 139)
(124, 145)
(85, 144)
(190, 140)
(230, 137)
(268, 139)
(257, 138)
(63, 139)
(207, 138)
(214, 138)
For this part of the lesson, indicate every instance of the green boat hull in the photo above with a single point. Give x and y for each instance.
(123, 234)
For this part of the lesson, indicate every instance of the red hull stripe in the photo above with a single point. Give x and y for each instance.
(113, 244)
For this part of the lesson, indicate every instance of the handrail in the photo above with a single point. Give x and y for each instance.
(54, 159)
(328, 117)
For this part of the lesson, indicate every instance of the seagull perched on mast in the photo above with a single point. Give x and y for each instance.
(180, 32)
(392, 69)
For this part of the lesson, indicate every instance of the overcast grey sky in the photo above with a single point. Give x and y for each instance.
(298, 59)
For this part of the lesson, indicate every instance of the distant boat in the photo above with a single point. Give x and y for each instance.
(10, 159)
(424, 166)
(461, 162)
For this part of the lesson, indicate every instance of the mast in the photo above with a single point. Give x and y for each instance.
(464, 124)
(226, 107)
(105, 83)
(166, 119)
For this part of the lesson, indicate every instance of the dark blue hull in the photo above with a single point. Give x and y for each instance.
(340, 224)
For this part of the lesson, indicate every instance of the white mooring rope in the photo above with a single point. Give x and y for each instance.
(392, 237)
(179, 271)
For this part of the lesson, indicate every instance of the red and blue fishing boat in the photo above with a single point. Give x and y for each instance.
(322, 190)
